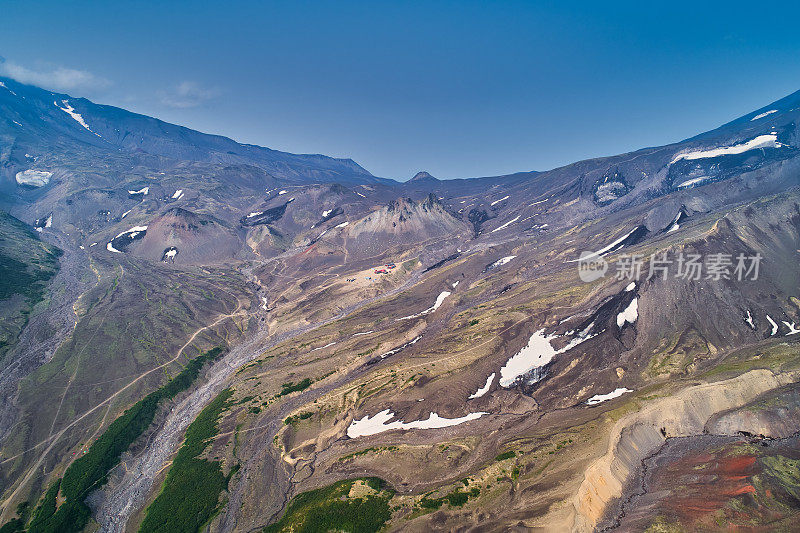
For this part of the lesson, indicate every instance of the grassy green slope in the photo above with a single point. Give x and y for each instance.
(26, 265)
(90, 470)
(337, 508)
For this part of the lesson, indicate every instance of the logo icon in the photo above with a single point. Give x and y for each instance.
(591, 267)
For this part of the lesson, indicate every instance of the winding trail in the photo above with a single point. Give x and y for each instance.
(54, 438)
(114, 505)
(48, 329)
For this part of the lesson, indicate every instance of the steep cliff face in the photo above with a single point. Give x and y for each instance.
(640, 434)
(775, 415)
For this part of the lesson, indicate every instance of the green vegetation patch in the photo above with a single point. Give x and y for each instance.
(18, 524)
(90, 471)
(190, 495)
(290, 387)
(333, 509)
(291, 420)
(785, 471)
(506, 455)
(457, 498)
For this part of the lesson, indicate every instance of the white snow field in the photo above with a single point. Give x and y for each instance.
(380, 422)
(600, 398)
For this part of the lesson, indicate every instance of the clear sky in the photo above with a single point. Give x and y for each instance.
(459, 89)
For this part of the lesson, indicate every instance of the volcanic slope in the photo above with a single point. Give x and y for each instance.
(423, 353)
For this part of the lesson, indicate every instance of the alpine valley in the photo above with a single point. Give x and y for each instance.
(198, 334)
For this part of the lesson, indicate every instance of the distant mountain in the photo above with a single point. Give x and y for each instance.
(30, 116)
(423, 177)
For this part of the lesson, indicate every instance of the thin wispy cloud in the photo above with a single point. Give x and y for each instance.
(187, 94)
(54, 77)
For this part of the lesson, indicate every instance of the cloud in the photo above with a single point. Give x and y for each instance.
(56, 78)
(187, 94)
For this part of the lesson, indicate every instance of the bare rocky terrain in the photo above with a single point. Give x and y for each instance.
(426, 356)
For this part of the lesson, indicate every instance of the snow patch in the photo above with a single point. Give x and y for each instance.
(326, 212)
(434, 307)
(69, 110)
(34, 178)
(764, 114)
(762, 141)
(600, 398)
(255, 214)
(749, 320)
(536, 354)
(630, 314)
(500, 200)
(132, 233)
(397, 350)
(506, 224)
(675, 225)
(502, 261)
(483, 390)
(282, 192)
(323, 347)
(4, 86)
(694, 181)
(792, 329)
(177, 195)
(342, 225)
(143, 191)
(605, 250)
(381, 422)
(774, 325)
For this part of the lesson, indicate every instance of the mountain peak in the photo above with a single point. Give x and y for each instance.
(423, 176)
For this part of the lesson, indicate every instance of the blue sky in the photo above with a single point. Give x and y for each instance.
(459, 89)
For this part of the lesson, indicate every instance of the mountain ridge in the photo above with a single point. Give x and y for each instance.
(102, 130)
(366, 323)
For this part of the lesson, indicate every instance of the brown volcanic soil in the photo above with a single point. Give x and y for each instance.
(717, 483)
(200, 239)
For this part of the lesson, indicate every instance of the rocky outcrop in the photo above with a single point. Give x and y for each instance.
(776, 415)
(639, 435)
(403, 222)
